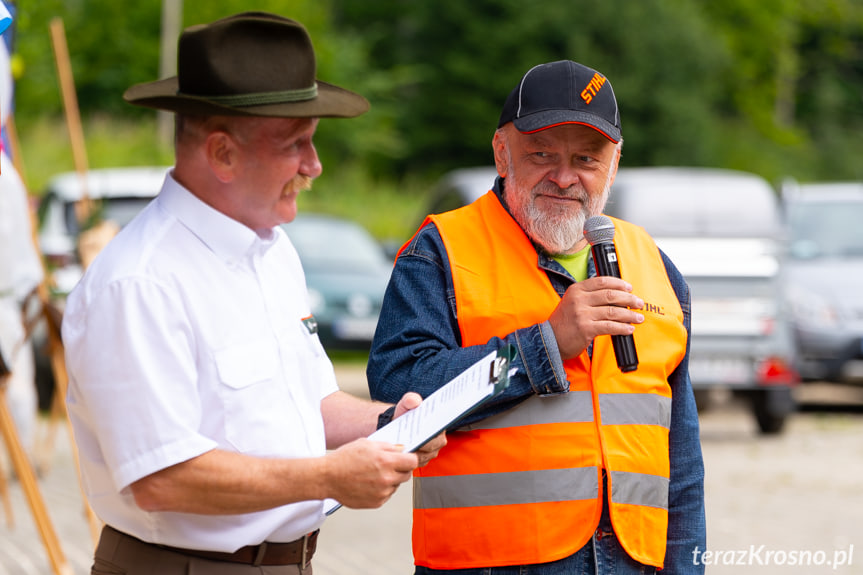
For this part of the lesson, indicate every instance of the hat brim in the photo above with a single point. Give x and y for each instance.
(549, 118)
(331, 102)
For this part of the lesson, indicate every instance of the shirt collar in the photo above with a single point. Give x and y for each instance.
(229, 239)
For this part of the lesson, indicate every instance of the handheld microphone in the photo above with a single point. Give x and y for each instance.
(599, 233)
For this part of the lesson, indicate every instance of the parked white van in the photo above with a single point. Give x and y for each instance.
(723, 230)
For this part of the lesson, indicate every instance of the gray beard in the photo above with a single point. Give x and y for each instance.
(558, 232)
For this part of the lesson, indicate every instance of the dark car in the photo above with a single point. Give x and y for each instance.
(347, 271)
(824, 277)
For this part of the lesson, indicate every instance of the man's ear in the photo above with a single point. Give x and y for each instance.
(615, 161)
(501, 155)
(221, 153)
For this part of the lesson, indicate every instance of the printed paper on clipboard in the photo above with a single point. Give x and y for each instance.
(461, 395)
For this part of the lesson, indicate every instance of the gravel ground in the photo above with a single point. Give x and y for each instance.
(772, 502)
(790, 503)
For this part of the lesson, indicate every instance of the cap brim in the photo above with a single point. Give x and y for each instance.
(331, 102)
(549, 118)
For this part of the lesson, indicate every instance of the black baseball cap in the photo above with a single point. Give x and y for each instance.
(563, 92)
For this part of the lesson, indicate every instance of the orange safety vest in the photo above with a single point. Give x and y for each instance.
(525, 486)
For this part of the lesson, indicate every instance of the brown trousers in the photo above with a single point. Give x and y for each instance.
(120, 554)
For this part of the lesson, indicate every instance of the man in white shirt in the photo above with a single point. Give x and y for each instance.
(202, 401)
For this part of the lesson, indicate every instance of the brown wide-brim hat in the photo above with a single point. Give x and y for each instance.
(249, 64)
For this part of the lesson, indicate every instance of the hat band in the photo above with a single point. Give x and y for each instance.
(263, 98)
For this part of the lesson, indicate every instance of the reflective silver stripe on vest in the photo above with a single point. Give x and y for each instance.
(572, 407)
(510, 488)
(639, 489)
(635, 409)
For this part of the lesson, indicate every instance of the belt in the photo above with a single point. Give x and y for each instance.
(297, 552)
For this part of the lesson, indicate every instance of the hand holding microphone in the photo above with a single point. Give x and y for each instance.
(599, 233)
(601, 305)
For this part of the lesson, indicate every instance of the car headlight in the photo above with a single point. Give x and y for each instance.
(317, 302)
(359, 305)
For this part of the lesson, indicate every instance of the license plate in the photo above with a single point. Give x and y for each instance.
(731, 371)
(356, 328)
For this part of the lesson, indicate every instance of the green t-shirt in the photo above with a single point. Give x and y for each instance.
(575, 264)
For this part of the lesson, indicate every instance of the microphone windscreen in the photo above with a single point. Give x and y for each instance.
(598, 230)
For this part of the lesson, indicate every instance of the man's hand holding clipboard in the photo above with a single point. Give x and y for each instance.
(420, 429)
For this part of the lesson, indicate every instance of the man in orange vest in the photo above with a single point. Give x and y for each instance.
(577, 467)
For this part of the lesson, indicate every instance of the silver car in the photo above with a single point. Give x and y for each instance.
(824, 277)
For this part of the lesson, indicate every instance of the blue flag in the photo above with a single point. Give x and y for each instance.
(5, 18)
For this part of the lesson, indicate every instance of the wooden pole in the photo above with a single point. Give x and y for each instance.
(73, 116)
(172, 19)
(61, 379)
(31, 489)
(7, 502)
(95, 234)
(12, 132)
(16, 162)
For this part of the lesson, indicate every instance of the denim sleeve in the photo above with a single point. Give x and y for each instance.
(417, 344)
(687, 531)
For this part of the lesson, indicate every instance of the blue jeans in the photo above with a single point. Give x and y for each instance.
(600, 556)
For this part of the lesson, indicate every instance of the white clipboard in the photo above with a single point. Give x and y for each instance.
(461, 395)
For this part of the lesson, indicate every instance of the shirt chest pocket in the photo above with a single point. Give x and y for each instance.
(253, 396)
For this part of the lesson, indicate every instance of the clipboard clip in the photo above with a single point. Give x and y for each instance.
(496, 370)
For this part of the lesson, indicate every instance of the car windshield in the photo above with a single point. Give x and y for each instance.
(696, 207)
(826, 229)
(327, 244)
(118, 210)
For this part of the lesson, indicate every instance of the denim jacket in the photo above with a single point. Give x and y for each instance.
(417, 347)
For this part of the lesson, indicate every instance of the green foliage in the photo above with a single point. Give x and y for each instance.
(111, 141)
(390, 209)
(108, 43)
(773, 87)
(770, 86)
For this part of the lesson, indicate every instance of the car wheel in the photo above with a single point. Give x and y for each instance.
(771, 408)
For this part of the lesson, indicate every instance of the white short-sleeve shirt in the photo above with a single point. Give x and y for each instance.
(186, 334)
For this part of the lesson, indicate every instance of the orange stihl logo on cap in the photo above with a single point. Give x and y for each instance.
(595, 84)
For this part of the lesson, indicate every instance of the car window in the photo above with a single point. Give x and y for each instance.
(825, 229)
(450, 199)
(696, 206)
(118, 210)
(326, 244)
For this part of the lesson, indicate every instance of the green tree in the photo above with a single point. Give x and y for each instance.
(113, 45)
(465, 57)
(772, 87)
(108, 43)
